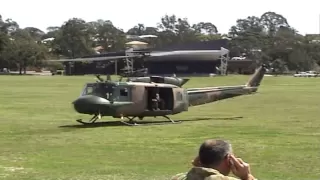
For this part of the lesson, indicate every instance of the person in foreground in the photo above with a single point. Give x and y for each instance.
(215, 161)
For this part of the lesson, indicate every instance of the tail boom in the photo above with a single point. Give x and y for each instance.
(199, 96)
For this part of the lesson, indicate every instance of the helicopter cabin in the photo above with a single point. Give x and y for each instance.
(158, 97)
(151, 98)
(147, 98)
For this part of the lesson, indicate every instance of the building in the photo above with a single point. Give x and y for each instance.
(188, 64)
(313, 38)
(202, 64)
(196, 64)
(98, 67)
(244, 66)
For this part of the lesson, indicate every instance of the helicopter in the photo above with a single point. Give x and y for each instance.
(153, 96)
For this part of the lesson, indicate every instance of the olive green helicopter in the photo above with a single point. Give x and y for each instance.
(151, 96)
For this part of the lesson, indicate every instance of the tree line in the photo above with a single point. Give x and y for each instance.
(269, 39)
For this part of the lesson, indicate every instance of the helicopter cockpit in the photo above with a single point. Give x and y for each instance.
(103, 90)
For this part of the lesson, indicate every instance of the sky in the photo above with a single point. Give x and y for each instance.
(302, 15)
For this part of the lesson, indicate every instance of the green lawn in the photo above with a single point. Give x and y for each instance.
(278, 135)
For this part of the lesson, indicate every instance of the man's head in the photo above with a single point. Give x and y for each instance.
(215, 154)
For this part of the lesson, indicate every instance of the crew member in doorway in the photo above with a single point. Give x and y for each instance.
(155, 102)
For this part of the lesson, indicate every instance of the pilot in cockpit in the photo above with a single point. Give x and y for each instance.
(108, 92)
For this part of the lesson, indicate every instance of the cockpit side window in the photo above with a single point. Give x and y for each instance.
(124, 92)
(87, 90)
(100, 90)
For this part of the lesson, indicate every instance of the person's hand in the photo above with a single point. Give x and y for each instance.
(196, 162)
(240, 169)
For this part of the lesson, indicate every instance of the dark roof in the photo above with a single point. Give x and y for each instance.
(204, 45)
(211, 56)
(120, 53)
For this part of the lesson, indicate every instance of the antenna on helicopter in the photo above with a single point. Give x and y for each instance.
(108, 77)
(137, 43)
(99, 78)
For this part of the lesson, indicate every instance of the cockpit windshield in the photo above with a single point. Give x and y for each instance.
(98, 89)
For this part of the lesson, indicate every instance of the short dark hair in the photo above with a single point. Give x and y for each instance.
(212, 152)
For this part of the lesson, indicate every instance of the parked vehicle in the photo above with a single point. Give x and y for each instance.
(307, 74)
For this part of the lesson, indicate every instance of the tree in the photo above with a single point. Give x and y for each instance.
(277, 40)
(247, 35)
(272, 22)
(23, 50)
(74, 39)
(137, 30)
(206, 31)
(268, 38)
(105, 34)
(35, 33)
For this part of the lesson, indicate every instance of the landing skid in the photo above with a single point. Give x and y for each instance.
(91, 121)
(131, 122)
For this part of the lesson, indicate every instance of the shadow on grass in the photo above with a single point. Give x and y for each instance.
(143, 122)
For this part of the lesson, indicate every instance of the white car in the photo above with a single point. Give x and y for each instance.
(306, 74)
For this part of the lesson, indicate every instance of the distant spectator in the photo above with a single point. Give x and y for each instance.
(214, 162)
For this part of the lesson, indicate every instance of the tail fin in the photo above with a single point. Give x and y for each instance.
(257, 77)
(184, 81)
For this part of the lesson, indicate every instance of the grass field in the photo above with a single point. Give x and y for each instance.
(278, 133)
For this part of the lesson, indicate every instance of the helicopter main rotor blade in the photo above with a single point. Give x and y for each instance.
(186, 52)
(157, 54)
(93, 59)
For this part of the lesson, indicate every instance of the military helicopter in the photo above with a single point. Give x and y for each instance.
(152, 96)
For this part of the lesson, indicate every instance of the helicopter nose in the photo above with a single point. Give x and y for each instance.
(90, 104)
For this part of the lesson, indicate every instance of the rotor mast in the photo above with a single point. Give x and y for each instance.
(133, 46)
(224, 57)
